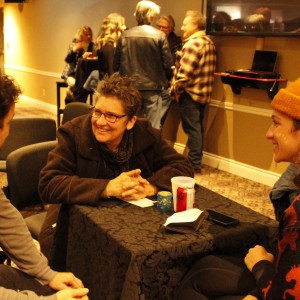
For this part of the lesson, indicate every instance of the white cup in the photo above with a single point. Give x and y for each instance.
(182, 182)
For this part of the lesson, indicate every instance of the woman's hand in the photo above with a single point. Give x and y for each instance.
(129, 186)
(87, 54)
(64, 280)
(257, 254)
(73, 294)
(77, 46)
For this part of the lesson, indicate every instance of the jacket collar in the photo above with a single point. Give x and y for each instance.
(195, 35)
(143, 137)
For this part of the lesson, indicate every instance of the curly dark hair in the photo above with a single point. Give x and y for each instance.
(9, 94)
(122, 88)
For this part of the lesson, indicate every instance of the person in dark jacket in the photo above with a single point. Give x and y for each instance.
(166, 24)
(261, 274)
(110, 153)
(81, 47)
(143, 52)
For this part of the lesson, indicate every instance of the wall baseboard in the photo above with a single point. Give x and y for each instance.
(234, 167)
(224, 164)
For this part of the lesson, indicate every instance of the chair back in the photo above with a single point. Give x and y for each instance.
(25, 131)
(75, 109)
(23, 170)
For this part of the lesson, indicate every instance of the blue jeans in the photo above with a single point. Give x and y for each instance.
(166, 102)
(151, 107)
(192, 115)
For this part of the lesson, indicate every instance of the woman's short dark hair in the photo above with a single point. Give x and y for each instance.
(9, 94)
(122, 88)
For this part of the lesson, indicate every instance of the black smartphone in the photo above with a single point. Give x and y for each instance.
(221, 219)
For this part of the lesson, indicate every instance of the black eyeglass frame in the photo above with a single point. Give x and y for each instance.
(107, 116)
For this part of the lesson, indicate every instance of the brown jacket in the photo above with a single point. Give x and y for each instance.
(75, 172)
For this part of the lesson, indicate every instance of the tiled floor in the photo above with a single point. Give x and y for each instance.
(241, 190)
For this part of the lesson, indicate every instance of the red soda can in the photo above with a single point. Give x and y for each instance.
(181, 199)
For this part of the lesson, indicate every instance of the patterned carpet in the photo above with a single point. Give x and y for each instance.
(246, 192)
(241, 190)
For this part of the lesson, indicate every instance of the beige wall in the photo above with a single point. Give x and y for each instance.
(38, 32)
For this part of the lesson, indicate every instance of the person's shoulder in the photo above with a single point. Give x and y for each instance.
(144, 128)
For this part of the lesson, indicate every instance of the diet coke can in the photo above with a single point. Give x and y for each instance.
(185, 198)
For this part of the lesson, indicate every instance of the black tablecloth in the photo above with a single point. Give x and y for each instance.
(120, 250)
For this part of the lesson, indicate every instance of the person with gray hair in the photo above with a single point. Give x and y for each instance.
(143, 53)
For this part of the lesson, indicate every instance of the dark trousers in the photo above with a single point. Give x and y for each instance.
(217, 277)
(14, 279)
(192, 115)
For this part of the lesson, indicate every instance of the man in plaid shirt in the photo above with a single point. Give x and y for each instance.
(192, 82)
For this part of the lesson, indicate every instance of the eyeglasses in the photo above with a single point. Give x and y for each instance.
(162, 27)
(109, 117)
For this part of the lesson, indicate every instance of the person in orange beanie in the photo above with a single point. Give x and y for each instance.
(260, 274)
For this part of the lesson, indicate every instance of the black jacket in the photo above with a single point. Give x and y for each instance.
(143, 52)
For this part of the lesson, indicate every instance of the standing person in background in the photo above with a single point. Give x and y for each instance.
(81, 46)
(166, 24)
(143, 53)
(33, 279)
(192, 82)
(110, 30)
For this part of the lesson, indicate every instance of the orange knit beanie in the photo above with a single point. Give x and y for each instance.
(287, 100)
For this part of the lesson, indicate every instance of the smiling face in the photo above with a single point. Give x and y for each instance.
(284, 137)
(106, 132)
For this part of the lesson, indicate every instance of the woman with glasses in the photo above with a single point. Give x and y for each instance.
(110, 153)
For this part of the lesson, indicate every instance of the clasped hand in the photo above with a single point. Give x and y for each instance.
(130, 186)
(69, 286)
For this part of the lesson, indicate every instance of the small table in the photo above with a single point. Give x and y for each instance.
(120, 250)
(237, 82)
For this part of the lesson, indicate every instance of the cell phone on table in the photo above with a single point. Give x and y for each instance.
(221, 219)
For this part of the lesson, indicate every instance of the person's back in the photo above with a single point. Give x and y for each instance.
(143, 53)
(142, 50)
(110, 30)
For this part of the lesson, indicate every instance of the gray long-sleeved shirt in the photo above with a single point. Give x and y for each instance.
(16, 242)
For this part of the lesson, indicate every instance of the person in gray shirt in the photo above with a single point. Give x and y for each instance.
(33, 279)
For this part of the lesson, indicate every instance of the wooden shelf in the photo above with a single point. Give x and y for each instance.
(237, 82)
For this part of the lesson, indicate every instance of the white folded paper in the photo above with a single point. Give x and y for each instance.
(185, 216)
(145, 202)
